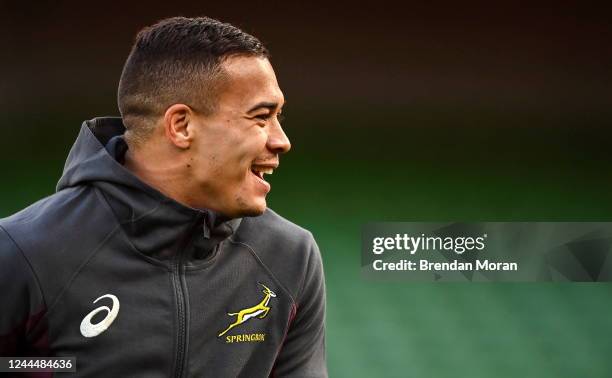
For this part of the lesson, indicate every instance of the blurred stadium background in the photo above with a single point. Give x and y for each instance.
(445, 111)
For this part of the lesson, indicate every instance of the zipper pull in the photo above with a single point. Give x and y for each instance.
(205, 226)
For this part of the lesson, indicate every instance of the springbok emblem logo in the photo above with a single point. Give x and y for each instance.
(260, 310)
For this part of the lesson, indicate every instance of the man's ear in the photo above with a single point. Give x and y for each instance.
(176, 122)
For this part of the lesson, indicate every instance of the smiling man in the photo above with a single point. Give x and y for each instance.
(157, 256)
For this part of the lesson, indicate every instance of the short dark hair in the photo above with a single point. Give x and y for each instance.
(177, 60)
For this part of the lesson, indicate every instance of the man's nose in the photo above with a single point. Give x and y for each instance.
(277, 139)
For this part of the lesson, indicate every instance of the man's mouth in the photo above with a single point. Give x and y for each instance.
(261, 170)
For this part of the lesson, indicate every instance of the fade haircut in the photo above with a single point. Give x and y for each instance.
(177, 61)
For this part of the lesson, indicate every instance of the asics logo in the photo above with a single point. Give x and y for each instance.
(91, 330)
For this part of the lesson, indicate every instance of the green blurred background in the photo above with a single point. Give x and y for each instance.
(396, 112)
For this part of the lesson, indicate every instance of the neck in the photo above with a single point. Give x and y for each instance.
(159, 172)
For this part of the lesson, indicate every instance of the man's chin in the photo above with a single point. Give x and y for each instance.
(253, 213)
(250, 210)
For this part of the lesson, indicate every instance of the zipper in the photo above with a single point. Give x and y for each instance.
(182, 305)
(182, 318)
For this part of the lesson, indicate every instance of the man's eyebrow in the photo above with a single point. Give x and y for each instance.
(264, 104)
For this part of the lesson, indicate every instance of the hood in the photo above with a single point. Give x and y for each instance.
(155, 224)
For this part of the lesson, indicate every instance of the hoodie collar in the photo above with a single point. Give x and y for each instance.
(155, 224)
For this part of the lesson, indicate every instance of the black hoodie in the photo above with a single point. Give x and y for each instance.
(178, 292)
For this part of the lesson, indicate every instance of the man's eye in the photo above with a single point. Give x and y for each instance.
(263, 117)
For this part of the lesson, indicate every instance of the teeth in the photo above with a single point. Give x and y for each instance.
(260, 171)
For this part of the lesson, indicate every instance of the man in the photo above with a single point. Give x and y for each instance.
(157, 257)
